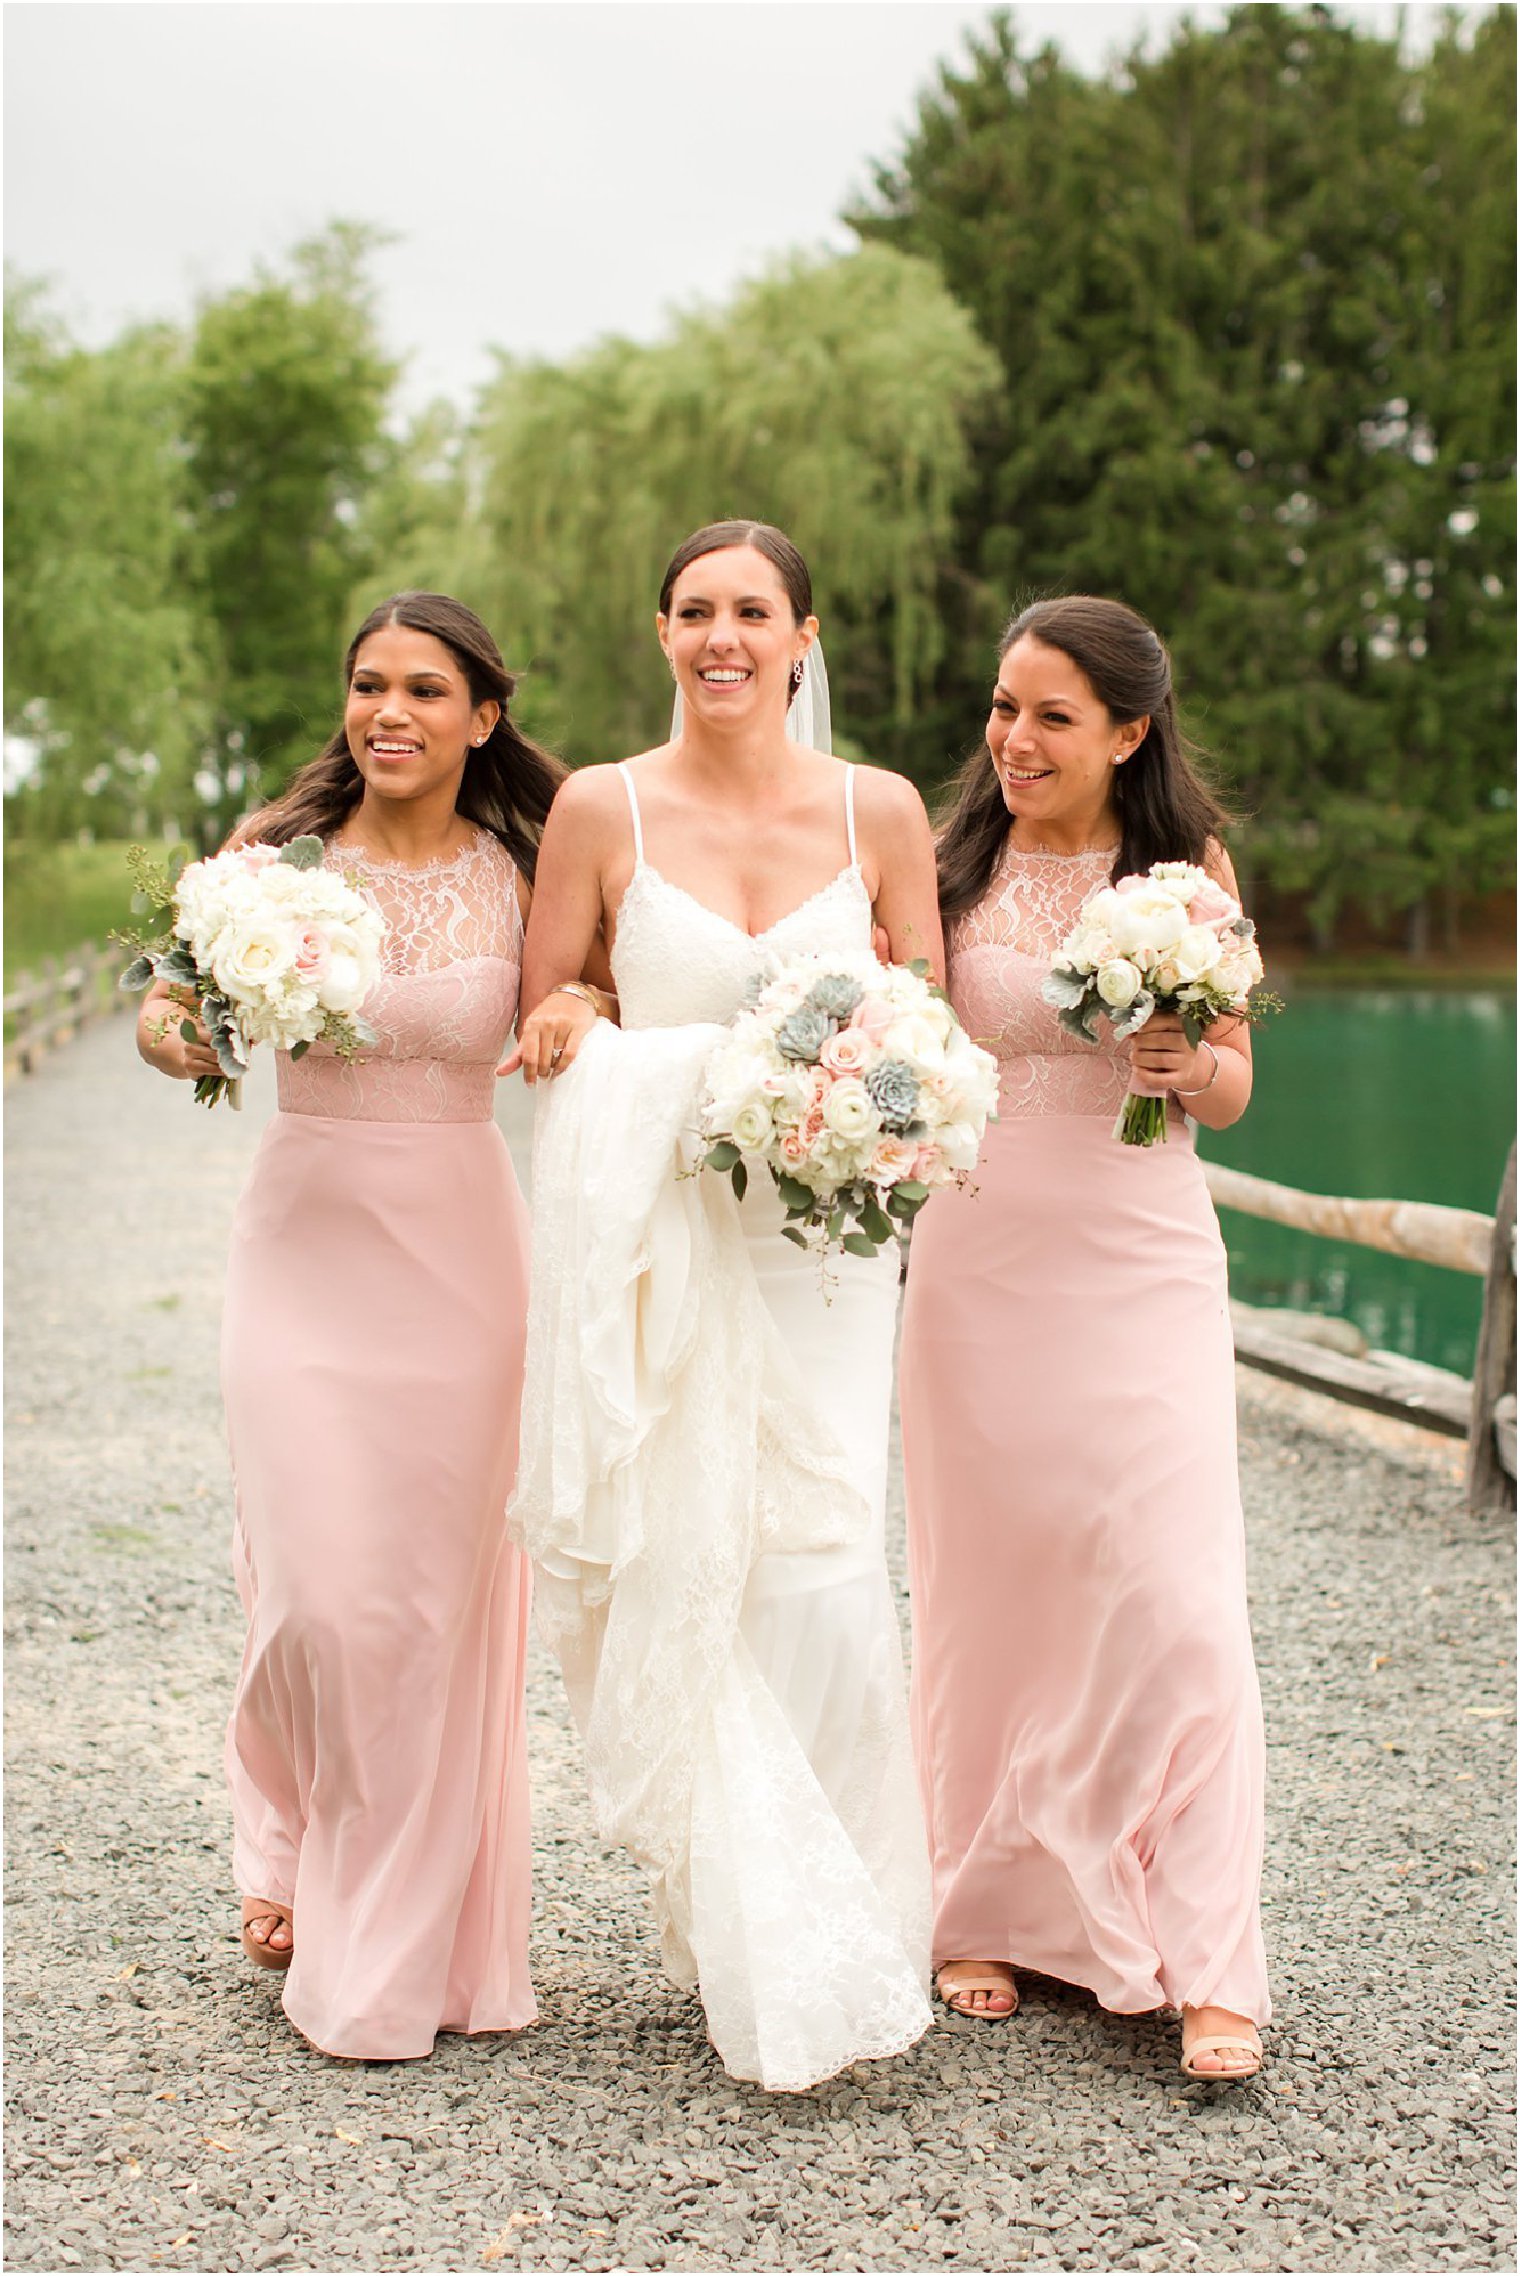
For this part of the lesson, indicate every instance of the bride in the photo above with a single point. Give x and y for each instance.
(704, 1458)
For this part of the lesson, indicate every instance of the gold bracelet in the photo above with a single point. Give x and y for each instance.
(588, 995)
(1204, 1045)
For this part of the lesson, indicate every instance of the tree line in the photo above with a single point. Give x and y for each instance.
(1226, 330)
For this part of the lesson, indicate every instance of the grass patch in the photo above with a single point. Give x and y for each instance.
(59, 897)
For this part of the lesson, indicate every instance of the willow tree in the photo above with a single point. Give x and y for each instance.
(287, 391)
(833, 397)
(106, 650)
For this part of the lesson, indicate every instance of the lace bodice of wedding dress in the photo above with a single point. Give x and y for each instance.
(444, 1006)
(999, 954)
(674, 960)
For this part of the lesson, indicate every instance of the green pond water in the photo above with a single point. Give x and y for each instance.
(1381, 1094)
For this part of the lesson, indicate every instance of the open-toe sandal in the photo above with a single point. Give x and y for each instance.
(261, 1953)
(959, 1979)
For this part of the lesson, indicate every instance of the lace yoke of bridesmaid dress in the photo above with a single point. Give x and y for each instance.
(1000, 953)
(444, 1006)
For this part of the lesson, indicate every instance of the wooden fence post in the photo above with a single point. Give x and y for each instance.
(1491, 1433)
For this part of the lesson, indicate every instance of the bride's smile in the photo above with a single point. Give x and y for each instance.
(732, 637)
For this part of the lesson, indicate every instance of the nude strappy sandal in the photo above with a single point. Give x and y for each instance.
(263, 1955)
(1222, 2043)
(969, 1978)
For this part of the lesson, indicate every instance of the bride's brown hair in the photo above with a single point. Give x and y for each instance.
(1167, 812)
(777, 547)
(509, 782)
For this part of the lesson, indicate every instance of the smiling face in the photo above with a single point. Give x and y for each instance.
(1055, 746)
(410, 718)
(732, 638)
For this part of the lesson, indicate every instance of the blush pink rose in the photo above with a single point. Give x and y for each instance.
(872, 1018)
(810, 1128)
(793, 1147)
(925, 1163)
(1210, 905)
(894, 1159)
(311, 954)
(258, 857)
(849, 1052)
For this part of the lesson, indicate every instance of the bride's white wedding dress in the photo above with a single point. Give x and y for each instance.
(702, 1486)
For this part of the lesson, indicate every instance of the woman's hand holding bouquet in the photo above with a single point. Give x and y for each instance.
(1169, 945)
(266, 946)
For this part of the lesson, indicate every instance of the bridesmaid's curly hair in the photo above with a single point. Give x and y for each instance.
(509, 782)
(1167, 812)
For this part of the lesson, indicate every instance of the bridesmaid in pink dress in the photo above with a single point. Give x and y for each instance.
(1085, 1703)
(372, 1362)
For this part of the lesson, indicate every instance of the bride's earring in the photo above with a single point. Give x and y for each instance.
(797, 676)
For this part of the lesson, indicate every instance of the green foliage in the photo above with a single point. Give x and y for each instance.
(1252, 298)
(106, 650)
(831, 398)
(60, 895)
(286, 393)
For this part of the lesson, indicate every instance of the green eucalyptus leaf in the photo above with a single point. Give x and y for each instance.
(794, 1193)
(723, 1156)
(860, 1245)
(790, 1233)
(740, 1176)
(299, 1050)
(875, 1223)
(189, 1031)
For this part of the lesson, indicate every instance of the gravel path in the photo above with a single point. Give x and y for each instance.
(163, 2115)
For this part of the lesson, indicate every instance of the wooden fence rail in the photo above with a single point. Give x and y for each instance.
(1426, 1230)
(63, 995)
(1463, 1240)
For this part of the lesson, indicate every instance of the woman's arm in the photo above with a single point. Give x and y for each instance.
(1213, 1081)
(564, 939)
(898, 845)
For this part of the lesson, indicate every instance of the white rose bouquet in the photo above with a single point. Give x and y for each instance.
(858, 1088)
(269, 947)
(1171, 940)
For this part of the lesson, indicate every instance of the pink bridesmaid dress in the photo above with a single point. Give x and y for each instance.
(372, 1360)
(1085, 1705)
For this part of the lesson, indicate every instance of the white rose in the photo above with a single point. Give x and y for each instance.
(1118, 984)
(1197, 952)
(251, 956)
(1151, 917)
(850, 1113)
(959, 1143)
(345, 983)
(751, 1127)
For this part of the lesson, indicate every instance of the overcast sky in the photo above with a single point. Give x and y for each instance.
(552, 173)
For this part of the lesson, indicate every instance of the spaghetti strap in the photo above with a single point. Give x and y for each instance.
(849, 813)
(633, 808)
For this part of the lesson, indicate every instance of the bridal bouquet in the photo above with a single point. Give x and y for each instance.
(269, 947)
(1169, 941)
(858, 1088)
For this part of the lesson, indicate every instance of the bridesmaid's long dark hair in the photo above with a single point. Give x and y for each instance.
(1167, 812)
(509, 782)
